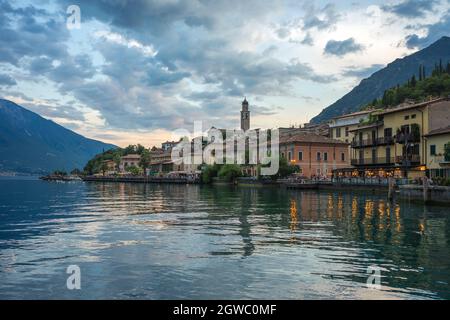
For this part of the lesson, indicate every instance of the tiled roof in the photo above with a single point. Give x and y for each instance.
(358, 113)
(411, 106)
(310, 138)
(438, 131)
(131, 156)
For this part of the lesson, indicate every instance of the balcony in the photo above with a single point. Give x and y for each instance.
(385, 141)
(372, 142)
(372, 161)
(408, 160)
(363, 143)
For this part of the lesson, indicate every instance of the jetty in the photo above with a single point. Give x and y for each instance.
(142, 179)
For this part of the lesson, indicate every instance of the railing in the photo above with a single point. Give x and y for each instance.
(411, 158)
(371, 161)
(362, 143)
(385, 140)
(375, 181)
(407, 137)
(372, 142)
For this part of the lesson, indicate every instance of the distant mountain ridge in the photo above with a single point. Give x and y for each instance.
(32, 144)
(397, 72)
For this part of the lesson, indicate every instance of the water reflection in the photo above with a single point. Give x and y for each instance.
(177, 241)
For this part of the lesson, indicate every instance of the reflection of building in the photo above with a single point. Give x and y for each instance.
(438, 161)
(316, 155)
(130, 160)
(393, 142)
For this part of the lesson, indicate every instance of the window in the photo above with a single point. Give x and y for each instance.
(318, 156)
(346, 131)
(318, 172)
(342, 156)
(388, 155)
(433, 150)
(406, 117)
(388, 132)
(282, 154)
(338, 132)
(289, 156)
(300, 156)
(413, 116)
(325, 156)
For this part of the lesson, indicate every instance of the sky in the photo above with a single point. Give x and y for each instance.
(138, 71)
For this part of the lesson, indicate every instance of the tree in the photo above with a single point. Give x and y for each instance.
(209, 172)
(104, 167)
(144, 163)
(413, 82)
(135, 171)
(229, 172)
(286, 169)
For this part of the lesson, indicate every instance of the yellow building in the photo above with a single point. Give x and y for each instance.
(438, 160)
(392, 142)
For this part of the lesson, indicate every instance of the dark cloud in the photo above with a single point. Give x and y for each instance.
(321, 19)
(411, 8)
(132, 89)
(360, 73)
(6, 80)
(435, 32)
(341, 48)
(23, 36)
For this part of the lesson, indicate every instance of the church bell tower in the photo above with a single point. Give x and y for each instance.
(245, 116)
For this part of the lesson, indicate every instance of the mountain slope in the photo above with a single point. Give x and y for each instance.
(397, 72)
(32, 144)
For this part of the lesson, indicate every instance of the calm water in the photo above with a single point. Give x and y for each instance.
(191, 242)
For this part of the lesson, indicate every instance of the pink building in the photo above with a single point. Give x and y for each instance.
(316, 155)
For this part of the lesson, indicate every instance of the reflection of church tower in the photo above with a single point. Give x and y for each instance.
(245, 116)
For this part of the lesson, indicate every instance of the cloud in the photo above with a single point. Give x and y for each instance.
(6, 80)
(22, 35)
(320, 19)
(434, 33)
(342, 48)
(411, 8)
(361, 72)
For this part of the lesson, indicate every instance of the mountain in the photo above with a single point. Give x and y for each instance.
(397, 72)
(32, 144)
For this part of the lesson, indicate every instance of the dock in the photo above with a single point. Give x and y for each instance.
(140, 179)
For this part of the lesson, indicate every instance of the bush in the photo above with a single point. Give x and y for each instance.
(209, 172)
(229, 172)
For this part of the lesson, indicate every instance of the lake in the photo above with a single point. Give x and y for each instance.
(144, 241)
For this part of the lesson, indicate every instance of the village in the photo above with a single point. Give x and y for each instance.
(409, 141)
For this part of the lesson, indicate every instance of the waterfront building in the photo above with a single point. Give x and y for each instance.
(315, 155)
(111, 167)
(438, 155)
(130, 160)
(341, 128)
(392, 142)
(322, 129)
(161, 161)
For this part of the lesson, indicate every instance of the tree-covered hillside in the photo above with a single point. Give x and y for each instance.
(418, 89)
